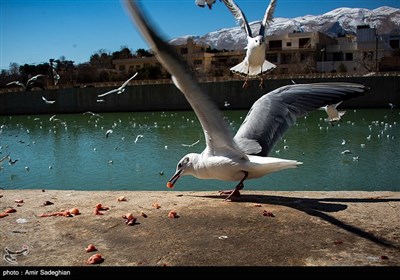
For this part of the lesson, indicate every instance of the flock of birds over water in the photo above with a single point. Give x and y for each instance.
(246, 154)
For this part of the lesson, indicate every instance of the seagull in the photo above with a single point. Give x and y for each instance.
(254, 64)
(109, 132)
(137, 137)
(190, 145)
(36, 78)
(48, 101)
(35, 81)
(119, 90)
(56, 76)
(244, 156)
(18, 83)
(5, 157)
(333, 114)
(202, 3)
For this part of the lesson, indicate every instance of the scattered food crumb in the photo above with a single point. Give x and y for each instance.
(90, 248)
(19, 201)
(268, 214)
(223, 237)
(100, 207)
(2, 215)
(60, 213)
(173, 214)
(74, 211)
(95, 259)
(47, 202)
(143, 214)
(10, 210)
(130, 219)
(156, 205)
(121, 198)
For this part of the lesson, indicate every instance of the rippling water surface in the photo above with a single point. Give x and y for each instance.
(72, 152)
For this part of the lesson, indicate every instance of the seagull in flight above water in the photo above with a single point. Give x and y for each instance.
(36, 81)
(254, 64)
(48, 101)
(333, 114)
(119, 90)
(244, 156)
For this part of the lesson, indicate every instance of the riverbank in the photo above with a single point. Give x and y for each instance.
(166, 97)
(261, 228)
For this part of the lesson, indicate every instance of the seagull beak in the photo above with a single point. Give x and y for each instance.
(172, 181)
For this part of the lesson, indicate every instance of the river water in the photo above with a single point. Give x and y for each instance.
(72, 152)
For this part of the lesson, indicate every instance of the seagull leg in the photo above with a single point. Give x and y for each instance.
(261, 85)
(245, 84)
(236, 191)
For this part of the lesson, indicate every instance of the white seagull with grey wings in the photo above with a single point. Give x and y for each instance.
(119, 90)
(254, 64)
(244, 156)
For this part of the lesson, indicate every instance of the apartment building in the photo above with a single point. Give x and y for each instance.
(293, 53)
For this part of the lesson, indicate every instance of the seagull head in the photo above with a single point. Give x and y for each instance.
(257, 41)
(184, 167)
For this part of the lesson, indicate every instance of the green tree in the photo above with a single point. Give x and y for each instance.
(143, 53)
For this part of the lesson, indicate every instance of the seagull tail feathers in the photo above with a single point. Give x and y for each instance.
(252, 71)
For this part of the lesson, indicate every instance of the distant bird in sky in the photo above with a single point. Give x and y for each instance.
(48, 101)
(119, 90)
(254, 64)
(333, 114)
(245, 155)
(203, 3)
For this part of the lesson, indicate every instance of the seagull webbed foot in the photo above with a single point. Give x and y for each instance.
(232, 193)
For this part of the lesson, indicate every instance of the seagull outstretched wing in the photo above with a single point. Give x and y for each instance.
(238, 14)
(218, 136)
(272, 115)
(127, 81)
(269, 13)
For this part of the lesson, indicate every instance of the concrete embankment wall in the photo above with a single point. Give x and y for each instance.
(166, 97)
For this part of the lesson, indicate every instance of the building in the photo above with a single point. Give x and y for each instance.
(293, 53)
(296, 52)
(359, 53)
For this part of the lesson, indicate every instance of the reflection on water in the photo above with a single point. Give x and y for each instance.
(72, 152)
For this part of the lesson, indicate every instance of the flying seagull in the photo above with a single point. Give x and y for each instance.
(244, 156)
(333, 114)
(202, 3)
(18, 83)
(254, 64)
(35, 81)
(56, 76)
(119, 90)
(48, 101)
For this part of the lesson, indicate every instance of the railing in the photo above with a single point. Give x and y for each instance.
(215, 79)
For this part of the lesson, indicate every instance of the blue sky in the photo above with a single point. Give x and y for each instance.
(33, 31)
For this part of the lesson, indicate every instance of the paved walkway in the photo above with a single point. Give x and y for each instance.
(261, 228)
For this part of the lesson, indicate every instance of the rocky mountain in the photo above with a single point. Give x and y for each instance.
(339, 21)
